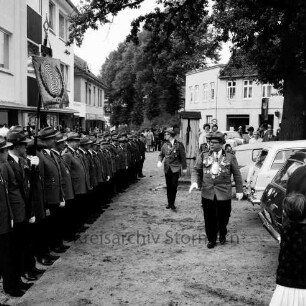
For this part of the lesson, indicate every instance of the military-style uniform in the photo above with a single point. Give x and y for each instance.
(213, 173)
(175, 159)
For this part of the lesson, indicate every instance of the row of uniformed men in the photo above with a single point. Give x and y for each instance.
(47, 195)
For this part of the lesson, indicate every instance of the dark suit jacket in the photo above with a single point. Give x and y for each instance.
(221, 185)
(51, 175)
(66, 177)
(77, 171)
(87, 168)
(92, 169)
(175, 156)
(6, 214)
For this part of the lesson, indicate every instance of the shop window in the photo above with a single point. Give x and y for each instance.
(231, 90)
(4, 50)
(247, 89)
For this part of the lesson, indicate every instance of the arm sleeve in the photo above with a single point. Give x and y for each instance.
(237, 175)
(197, 171)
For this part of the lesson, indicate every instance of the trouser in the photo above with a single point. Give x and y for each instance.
(7, 264)
(216, 217)
(30, 262)
(39, 235)
(171, 182)
(56, 220)
(19, 245)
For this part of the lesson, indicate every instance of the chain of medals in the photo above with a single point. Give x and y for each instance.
(215, 169)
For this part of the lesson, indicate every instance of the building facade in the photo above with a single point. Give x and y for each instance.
(89, 97)
(21, 35)
(232, 97)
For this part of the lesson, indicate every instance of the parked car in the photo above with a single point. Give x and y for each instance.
(271, 214)
(269, 161)
(246, 155)
(233, 138)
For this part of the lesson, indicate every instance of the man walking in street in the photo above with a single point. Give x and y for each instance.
(173, 153)
(213, 171)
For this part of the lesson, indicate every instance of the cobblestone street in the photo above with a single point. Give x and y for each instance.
(139, 253)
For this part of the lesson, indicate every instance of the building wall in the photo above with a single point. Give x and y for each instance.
(13, 22)
(221, 106)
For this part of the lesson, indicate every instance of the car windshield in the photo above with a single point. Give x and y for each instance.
(282, 176)
(247, 157)
(261, 158)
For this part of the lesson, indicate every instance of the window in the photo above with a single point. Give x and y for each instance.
(65, 74)
(266, 90)
(35, 5)
(261, 158)
(280, 158)
(62, 27)
(205, 91)
(212, 90)
(52, 16)
(196, 93)
(4, 50)
(94, 96)
(231, 90)
(190, 94)
(247, 89)
(281, 178)
(208, 119)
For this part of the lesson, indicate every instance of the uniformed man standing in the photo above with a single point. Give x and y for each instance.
(174, 156)
(213, 171)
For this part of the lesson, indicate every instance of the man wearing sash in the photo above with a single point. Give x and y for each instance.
(174, 156)
(213, 171)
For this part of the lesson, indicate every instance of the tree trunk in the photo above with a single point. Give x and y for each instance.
(293, 125)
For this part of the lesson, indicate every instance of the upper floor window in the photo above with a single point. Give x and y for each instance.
(94, 96)
(62, 26)
(231, 90)
(65, 74)
(52, 15)
(35, 5)
(212, 90)
(247, 89)
(4, 50)
(191, 94)
(196, 93)
(266, 90)
(205, 91)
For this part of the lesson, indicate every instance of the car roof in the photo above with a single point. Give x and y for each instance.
(249, 146)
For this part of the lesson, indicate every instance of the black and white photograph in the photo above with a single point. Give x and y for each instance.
(152, 152)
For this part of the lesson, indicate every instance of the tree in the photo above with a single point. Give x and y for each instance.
(272, 33)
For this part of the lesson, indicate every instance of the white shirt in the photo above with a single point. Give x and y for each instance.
(218, 154)
(48, 151)
(15, 157)
(172, 142)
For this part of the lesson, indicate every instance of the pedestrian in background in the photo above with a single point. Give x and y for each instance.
(291, 271)
(206, 130)
(174, 157)
(255, 138)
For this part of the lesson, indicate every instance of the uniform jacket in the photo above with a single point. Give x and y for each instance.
(175, 156)
(105, 157)
(66, 177)
(16, 198)
(6, 214)
(219, 185)
(97, 167)
(51, 174)
(77, 170)
(87, 166)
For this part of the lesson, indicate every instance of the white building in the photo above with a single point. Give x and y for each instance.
(21, 34)
(231, 97)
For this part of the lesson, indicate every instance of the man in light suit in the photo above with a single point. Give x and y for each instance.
(213, 171)
(174, 156)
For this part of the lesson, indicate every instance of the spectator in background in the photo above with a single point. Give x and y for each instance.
(214, 128)
(202, 138)
(249, 135)
(240, 132)
(255, 137)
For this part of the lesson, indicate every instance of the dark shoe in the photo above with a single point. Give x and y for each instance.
(37, 271)
(72, 238)
(65, 246)
(168, 206)
(52, 257)
(211, 244)
(45, 261)
(30, 276)
(222, 239)
(25, 286)
(14, 292)
(141, 175)
(173, 207)
(58, 249)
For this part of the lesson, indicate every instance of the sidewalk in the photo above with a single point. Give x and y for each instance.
(139, 253)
